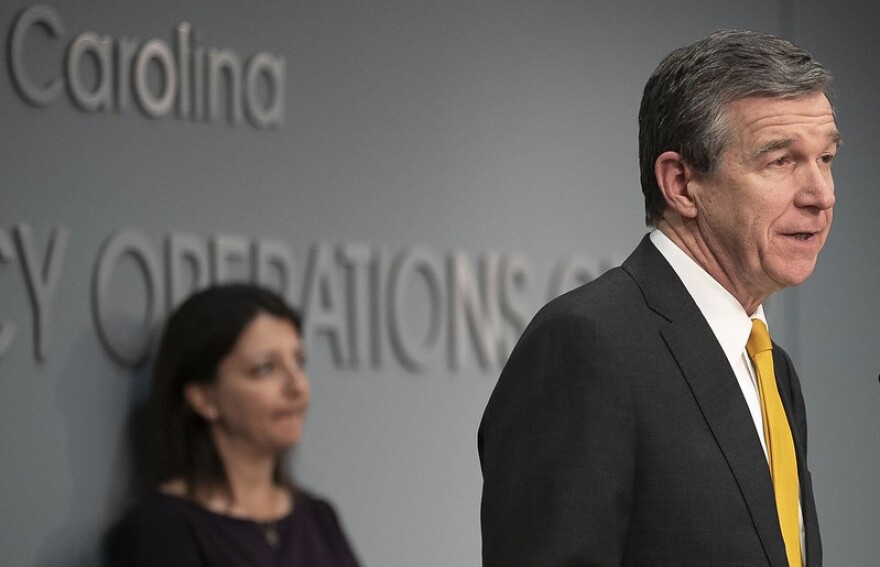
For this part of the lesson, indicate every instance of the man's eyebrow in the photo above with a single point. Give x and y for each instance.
(833, 137)
(771, 146)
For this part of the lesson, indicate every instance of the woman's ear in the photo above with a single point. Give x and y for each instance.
(675, 179)
(199, 398)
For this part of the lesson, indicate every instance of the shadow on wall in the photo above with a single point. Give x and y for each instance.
(141, 472)
(108, 446)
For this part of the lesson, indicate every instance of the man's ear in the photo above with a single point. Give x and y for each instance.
(675, 178)
(199, 398)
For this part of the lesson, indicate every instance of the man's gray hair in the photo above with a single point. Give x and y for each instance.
(684, 101)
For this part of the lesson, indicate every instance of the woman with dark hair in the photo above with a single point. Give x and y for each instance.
(229, 399)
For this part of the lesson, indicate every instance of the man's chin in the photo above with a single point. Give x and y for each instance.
(795, 273)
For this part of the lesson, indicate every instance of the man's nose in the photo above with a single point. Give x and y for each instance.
(817, 187)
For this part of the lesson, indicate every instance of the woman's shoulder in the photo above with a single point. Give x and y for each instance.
(156, 529)
(314, 506)
(158, 509)
(322, 536)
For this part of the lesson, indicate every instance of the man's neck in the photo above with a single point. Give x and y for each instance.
(684, 236)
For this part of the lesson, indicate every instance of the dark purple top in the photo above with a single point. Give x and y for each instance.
(167, 531)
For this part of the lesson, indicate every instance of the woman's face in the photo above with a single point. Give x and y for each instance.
(259, 399)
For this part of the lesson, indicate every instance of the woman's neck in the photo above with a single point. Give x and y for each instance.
(250, 491)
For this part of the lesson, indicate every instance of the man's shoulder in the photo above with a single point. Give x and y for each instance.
(600, 296)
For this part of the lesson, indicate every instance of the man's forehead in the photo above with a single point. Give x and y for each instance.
(766, 117)
(814, 104)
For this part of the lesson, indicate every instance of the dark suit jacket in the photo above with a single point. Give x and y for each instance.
(617, 435)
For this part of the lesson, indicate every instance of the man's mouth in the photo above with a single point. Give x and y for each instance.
(803, 236)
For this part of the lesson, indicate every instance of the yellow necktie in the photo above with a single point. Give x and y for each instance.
(780, 446)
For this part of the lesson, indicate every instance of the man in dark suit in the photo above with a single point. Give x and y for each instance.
(630, 425)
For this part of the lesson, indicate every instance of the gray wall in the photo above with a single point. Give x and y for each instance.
(450, 134)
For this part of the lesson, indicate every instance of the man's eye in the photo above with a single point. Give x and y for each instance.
(782, 160)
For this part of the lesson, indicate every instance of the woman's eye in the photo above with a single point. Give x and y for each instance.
(264, 368)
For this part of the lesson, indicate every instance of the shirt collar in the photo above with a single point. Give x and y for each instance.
(729, 321)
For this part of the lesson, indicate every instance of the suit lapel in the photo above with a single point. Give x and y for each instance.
(715, 389)
(717, 392)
